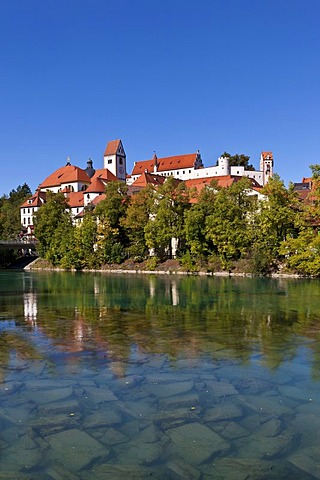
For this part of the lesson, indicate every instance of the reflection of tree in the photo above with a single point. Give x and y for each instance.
(12, 342)
(233, 318)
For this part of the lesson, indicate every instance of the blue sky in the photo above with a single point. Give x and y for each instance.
(170, 76)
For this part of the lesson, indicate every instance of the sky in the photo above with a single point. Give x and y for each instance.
(164, 76)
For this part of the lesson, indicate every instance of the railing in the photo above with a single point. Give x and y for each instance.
(19, 244)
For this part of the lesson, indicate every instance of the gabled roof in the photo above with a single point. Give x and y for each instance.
(66, 174)
(35, 200)
(167, 163)
(105, 175)
(112, 147)
(223, 181)
(98, 199)
(97, 186)
(149, 178)
(75, 199)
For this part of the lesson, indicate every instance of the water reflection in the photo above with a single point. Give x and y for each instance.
(107, 376)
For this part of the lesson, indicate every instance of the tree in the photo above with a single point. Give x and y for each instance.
(10, 223)
(166, 223)
(136, 219)
(195, 221)
(54, 229)
(111, 234)
(229, 226)
(277, 218)
(240, 160)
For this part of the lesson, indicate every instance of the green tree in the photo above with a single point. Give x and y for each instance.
(197, 241)
(85, 236)
(10, 223)
(111, 234)
(276, 218)
(229, 226)
(55, 231)
(167, 218)
(240, 160)
(136, 219)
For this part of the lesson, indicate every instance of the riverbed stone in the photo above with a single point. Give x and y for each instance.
(243, 469)
(161, 390)
(298, 392)
(188, 400)
(223, 412)
(265, 405)
(49, 395)
(102, 418)
(268, 448)
(220, 389)
(179, 469)
(308, 427)
(75, 449)
(112, 436)
(123, 472)
(196, 443)
(63, 407)
(230, 430)
(101, 394)
(307, 460)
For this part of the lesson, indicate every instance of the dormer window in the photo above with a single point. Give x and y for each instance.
(29, 202)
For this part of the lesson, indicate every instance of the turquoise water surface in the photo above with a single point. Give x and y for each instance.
(166, 377)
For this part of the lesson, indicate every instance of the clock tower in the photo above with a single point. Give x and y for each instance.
(114, 159)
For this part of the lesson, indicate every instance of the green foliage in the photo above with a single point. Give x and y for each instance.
(302, 254)
(166, 221)
(10, 223)
(240, 160)
(55, 231)
(135, 221)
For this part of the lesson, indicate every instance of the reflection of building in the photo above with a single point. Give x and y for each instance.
(30, 305)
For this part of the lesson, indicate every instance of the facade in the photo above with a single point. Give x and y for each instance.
(80, 186)
(190, 166)
(84, 187)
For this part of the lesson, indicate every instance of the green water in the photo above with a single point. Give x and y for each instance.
(168, 377)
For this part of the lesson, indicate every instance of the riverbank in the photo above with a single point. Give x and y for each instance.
(170, 267)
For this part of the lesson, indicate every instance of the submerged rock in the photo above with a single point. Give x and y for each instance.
(196, 443)
(75, 449)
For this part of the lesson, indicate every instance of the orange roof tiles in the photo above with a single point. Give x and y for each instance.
(97, 186)
(112, 147)
(66, 174)
(167, 163)
(267, 155)
(147, 178)
(104, 175)
(75, 199)
(35, 200)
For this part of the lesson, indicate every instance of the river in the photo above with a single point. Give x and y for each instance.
(163, 377)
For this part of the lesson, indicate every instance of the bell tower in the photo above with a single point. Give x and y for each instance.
(266, 166)
(114, 159)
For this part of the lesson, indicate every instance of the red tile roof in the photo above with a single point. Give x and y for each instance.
(265, 155)
(35, 200)
(223, 181)
(75, 199)
(104, 175)
(66, 174)
(149, 178)
(167, 163)
(97, 186)
(98, 199)
(112, 147)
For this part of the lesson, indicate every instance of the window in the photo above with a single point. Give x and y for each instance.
(189, 171)
(184, 172)
(24, 221)
(120, 161)
(109, 161)
(24, 210)
(29, 221)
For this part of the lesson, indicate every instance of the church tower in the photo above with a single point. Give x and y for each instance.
(266, 166)
(114, 159)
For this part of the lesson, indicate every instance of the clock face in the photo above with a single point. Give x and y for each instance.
(120, 169)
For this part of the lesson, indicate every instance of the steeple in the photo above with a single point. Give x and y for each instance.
(90, 171)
